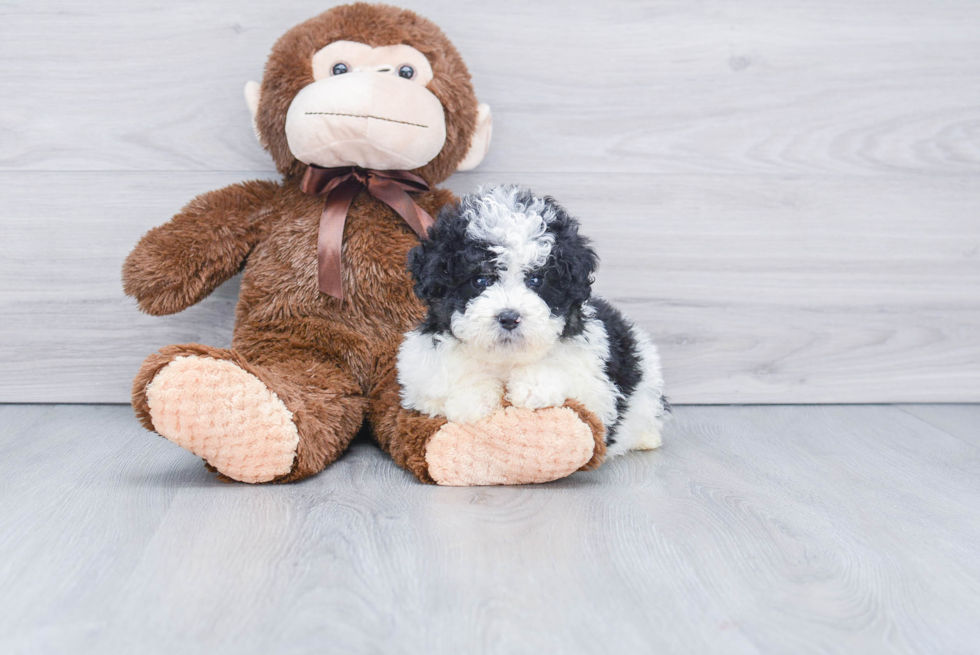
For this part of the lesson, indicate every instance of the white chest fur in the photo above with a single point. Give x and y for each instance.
(441, 376)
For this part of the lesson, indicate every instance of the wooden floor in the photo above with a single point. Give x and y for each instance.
(794, 529)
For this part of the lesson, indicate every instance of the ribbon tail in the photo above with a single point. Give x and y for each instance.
(330, 239)
(393, 195)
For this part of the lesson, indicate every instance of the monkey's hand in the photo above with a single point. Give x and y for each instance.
(179, 263)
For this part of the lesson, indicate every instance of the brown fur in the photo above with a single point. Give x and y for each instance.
(289, 69)
(331, 362)
(598, 434)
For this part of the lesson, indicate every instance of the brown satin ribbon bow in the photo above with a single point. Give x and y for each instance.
(340, 185)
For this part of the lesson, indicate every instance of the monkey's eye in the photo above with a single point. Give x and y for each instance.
(482, 282)
(339, 68)
(534, 281)
(407, 72)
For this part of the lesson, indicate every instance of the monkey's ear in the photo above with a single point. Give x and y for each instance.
(480, 142)
(253, 91)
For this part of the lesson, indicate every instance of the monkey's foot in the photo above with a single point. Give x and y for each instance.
(224, 414)
(514, 445)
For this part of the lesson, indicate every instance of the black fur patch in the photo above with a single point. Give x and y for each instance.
(446, 265)
(568, 274)
(623, 366)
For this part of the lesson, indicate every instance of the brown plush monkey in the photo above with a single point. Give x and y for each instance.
(325, 301)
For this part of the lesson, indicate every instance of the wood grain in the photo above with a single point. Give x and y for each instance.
(754, 530)
(660, 86)
(786, 198)
(962, 421)
(756, 290)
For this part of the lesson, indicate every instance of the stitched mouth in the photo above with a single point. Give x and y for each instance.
(377, 118)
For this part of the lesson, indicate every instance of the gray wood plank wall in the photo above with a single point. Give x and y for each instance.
(786, 195)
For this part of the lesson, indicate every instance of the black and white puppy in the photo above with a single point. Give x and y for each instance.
(507, 279)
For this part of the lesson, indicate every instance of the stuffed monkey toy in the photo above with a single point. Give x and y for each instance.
(364, 109)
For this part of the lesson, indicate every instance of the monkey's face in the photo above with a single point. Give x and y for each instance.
(370, 86)
(367, 107)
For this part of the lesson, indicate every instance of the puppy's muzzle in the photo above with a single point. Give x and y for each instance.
(509, 319)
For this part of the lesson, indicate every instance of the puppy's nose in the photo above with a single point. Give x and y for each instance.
(508, 319)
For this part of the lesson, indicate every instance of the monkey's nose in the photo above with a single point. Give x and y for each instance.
(508, 319)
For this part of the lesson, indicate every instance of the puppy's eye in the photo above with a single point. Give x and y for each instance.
(339, 68)
(534, 281)
(481, 282)
(407, 72)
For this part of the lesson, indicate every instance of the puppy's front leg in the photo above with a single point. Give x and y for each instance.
(537, 386)
(472, 399)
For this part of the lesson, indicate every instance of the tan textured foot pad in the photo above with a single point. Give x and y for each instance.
(224, 414)
(512, 446)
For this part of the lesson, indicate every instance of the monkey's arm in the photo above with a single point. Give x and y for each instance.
(180, 262)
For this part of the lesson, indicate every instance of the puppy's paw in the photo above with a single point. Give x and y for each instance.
(474, 402)
(533, 395)
(649, 440)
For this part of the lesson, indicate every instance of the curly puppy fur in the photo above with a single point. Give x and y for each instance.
(507, 280)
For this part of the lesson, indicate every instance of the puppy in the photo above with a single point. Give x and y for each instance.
(507, 280)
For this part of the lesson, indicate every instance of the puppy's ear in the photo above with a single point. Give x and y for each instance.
(590, 258)
(426, 261)
(576, 258)
(419, 263)
(583, 267)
